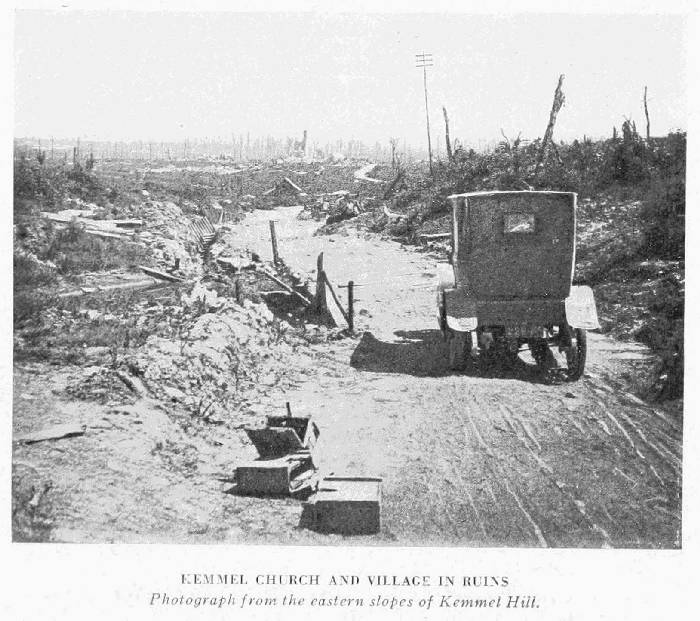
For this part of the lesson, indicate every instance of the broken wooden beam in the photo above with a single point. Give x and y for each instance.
(53, 433)
(429, 236)
(161, 275)
(135, 284)
(107, 235)
(335, 299)
(293, 185)
(286, 287)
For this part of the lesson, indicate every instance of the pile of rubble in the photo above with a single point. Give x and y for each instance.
(224, 353)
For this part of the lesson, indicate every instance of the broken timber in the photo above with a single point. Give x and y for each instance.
(138, 284)
(286, 287)
(53, 433)
(338, 305)
(161, 275)
(285, 465)
(292, 185)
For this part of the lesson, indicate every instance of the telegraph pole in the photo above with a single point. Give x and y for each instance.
(422, 61)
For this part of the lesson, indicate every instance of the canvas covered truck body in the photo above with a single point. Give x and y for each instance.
(513, 256)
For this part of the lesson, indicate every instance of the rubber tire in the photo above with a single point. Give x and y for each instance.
(575, 368)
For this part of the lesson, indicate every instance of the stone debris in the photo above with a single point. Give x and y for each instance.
(220, 354)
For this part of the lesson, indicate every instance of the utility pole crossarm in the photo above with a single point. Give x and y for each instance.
(422, 62)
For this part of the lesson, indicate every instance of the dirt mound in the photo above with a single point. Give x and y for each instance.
(219, 358)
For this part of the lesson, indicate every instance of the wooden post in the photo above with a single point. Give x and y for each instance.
(427, 124)
(351, 306)
(289, 409)
(237, 286)
(273, 237)
(335, 298)
(320, 303)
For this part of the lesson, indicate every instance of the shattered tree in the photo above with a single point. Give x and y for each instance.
(448, 144)
(646, 114)
(547, 138)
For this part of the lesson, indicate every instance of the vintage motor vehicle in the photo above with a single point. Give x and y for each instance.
(510, 281)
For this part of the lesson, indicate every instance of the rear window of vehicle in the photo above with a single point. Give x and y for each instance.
(519, 223)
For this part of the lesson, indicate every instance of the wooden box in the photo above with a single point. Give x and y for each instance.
(283, 435)
(280, 476)
(346, 506)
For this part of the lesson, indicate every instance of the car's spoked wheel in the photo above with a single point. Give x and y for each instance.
(576, 355)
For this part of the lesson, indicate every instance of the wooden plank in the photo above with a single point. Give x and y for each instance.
(128, 223)
(106, 235)
(435, 235)
(158, 274)
(293, 185)
(274, 441)
(286, 287)
(338, 305)
(305, 428)
(134, 284)
(53, 433)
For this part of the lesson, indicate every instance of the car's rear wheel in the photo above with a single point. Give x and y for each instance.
(576, 355)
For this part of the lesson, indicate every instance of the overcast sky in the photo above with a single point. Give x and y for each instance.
(168, 76)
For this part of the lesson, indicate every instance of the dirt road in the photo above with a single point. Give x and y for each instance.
(473, 460)
(500, 459)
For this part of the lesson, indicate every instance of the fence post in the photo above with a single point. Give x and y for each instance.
(351, 306)
(273, 237)
(320, 303)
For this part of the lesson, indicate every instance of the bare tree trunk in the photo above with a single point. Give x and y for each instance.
(448, 144)
(547, 138)
(646, 113)
(393, 142)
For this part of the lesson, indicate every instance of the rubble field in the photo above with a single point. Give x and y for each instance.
(153, 325)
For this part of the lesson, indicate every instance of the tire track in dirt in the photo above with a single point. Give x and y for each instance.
(486, 460)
